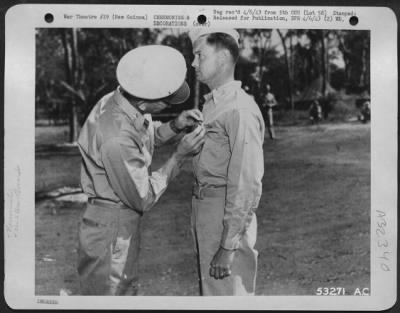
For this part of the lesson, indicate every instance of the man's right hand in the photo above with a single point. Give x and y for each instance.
(191, 143)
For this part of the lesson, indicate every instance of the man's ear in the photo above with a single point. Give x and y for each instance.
(141, 105)
(226, 56)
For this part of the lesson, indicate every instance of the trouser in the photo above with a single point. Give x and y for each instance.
(208, 206)
(108, 253)
(270, 122)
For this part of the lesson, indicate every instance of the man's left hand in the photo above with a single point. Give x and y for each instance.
(222, 263)
(189, 119)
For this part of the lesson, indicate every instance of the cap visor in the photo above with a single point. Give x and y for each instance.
(179, 96)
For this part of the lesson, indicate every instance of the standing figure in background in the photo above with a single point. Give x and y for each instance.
(117, 144)
(315, 112)
(365, 114)
(228, 170)
(269, 102)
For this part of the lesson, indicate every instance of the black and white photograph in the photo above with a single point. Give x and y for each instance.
(312, 92)
(203, 157)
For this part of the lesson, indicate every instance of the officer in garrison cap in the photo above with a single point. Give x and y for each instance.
(117, 143)
(228, 170)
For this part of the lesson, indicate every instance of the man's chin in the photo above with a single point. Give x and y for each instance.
(199, 77)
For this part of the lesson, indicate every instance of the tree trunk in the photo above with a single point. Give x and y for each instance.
(68, 58)
(67, 55)
(72, 68)
(287, 69)
(73, 124)
(74, 110)
(263, 49)
(346, 56)
(327, 67)
(364, 83)
(323, 67)
(291, 71)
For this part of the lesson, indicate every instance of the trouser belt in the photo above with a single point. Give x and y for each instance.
(104, 203)
(201, 192)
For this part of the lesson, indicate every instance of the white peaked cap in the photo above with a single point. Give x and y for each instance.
(154, 72)
(195, 33)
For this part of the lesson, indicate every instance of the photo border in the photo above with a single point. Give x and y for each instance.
(384, 151)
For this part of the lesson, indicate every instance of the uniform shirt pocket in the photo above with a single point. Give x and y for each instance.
(216, 138)
(214, 157)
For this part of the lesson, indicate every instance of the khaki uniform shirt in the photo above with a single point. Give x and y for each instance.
(232, 156)
(117, 144)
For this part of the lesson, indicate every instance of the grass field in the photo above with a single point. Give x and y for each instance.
(313, 219)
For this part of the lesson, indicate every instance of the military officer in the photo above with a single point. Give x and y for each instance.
(228, 170)
(117, 144)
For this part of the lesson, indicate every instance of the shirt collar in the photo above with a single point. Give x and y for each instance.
(137, 118)
(218, 94)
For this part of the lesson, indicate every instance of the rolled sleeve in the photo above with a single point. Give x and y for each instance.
(245, 171)
(128, 174)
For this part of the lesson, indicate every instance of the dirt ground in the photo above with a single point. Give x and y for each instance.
(313, 219)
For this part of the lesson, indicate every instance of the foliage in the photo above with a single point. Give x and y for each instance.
(288, 63)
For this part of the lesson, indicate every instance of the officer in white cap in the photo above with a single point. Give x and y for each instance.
(228, 170)
(117, 143)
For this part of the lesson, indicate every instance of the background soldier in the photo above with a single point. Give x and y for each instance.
(315, 112)
(365, 112)
(269, 102)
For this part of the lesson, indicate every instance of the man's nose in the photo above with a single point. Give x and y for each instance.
(195, 62)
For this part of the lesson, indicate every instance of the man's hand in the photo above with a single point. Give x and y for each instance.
(221, 264)
(189, 119)
(191, 143)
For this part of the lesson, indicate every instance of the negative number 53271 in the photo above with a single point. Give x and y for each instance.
(332, 291)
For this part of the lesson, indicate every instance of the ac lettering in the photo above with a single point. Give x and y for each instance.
(361, 292)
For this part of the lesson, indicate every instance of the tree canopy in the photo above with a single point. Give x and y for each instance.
(75, 67)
